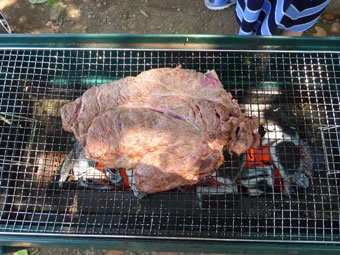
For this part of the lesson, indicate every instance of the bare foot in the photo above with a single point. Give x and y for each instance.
(291, 33)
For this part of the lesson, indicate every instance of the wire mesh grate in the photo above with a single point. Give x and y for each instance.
(293, 94)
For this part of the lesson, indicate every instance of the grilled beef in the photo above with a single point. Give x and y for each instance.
(169, 125)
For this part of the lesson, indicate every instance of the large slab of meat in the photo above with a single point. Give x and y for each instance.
(169, 125)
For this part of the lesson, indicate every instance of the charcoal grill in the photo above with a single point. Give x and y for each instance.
(290, 83)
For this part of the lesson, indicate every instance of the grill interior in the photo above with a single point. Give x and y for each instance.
(289, 90)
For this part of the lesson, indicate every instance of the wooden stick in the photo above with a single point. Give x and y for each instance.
(5, 120)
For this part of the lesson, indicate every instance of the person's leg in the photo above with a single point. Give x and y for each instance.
(291, 33)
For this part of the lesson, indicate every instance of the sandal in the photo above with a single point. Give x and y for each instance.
(217, 5)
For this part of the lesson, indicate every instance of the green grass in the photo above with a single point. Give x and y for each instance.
(53, 3)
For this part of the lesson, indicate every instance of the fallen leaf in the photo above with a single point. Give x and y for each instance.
(320, 31)
(21, 252)
(335, 27)
(329, 16)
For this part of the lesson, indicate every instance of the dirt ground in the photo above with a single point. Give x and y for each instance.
(51, 251)
(122, 16)
(137, 16)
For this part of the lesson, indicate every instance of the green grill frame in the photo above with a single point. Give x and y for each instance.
(206, 42)
(166, 41)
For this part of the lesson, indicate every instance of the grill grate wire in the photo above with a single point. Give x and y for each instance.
(300, 88)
